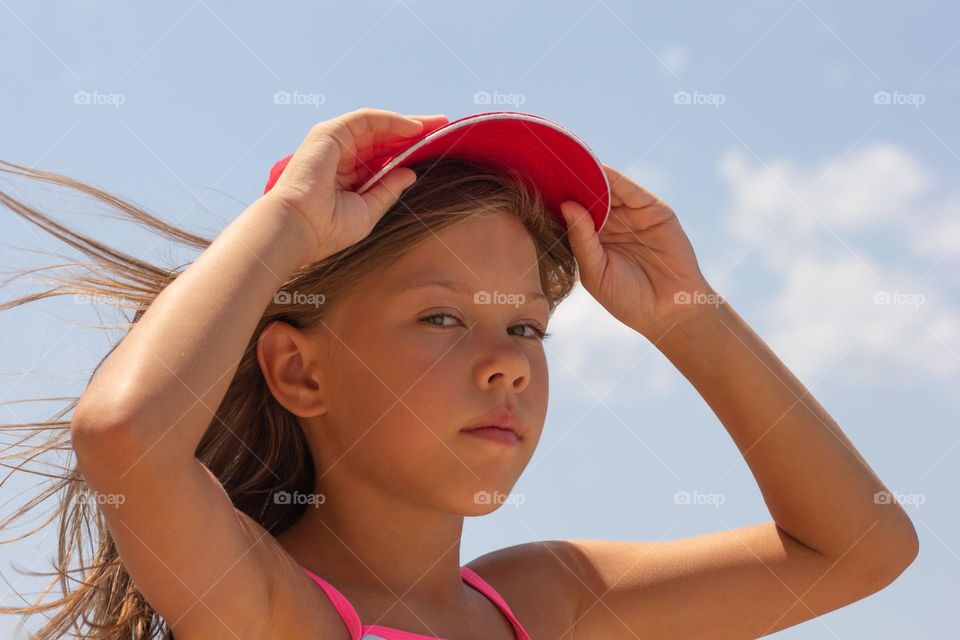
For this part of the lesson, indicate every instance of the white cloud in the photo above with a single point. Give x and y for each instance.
(826, 271)
(867, 319)
(866, 220)
(868, 186)
(938, 232)
(592, 352)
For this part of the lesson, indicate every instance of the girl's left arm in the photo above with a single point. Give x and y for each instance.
(836, 535)
(818, 487)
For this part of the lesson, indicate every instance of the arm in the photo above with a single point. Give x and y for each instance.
(136, 427)
(830, 542)
(203, 565)
(818, 488)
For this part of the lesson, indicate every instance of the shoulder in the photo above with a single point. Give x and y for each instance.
(540, 581)
(299, 607)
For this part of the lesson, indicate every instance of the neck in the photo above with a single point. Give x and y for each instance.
(375, 542)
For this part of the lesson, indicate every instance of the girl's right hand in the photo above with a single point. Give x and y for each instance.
(315, 185)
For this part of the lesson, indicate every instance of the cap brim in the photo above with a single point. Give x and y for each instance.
(551, 158)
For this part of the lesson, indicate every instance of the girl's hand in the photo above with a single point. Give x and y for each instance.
(315, 185)
(641, 266)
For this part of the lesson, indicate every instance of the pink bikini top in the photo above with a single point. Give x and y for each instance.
(360, 631)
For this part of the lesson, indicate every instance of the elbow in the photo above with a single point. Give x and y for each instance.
(894, 556)
(104, 433)
(908, 546)
(97, 417)
(904, 544)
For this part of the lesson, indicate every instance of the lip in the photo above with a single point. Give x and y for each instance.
(493, 434)
(501, 420)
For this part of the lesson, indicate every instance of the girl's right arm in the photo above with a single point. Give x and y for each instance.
(199, 562)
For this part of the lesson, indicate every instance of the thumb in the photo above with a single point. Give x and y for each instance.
(387, 190)
(584, 240)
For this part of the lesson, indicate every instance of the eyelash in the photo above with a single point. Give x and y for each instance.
(541, 334)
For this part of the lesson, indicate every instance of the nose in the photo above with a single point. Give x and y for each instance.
(505, 364)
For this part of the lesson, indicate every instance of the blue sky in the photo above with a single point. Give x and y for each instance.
(806, 146)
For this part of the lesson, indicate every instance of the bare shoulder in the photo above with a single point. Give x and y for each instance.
(298, 606)
(541, 583)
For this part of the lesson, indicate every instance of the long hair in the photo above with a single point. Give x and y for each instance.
(99, 598)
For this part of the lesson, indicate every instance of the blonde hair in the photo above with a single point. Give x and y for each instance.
(100, 600)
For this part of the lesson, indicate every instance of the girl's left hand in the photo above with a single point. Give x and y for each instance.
(641, 266)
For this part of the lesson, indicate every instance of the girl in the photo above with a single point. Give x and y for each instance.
(278, 449)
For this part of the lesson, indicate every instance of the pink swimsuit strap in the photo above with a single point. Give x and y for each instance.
(359, 631)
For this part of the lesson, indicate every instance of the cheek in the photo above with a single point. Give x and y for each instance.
(402, 399)
(413, 394)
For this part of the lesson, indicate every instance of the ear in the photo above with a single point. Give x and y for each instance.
(290, 362)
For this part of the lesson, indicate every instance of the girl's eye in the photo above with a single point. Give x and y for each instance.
(538, 333)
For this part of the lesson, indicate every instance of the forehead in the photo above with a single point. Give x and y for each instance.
(488, 249)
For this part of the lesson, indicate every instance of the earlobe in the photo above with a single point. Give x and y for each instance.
(287, 358)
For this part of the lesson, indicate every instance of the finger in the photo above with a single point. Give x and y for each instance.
(383, 145)
(364, 168)
(370, 127)
(432, 122)
(370, 158)
(382, 195)
(367, 155)
(365, 127)
(381, 121)
(627, 191)
(584, 240)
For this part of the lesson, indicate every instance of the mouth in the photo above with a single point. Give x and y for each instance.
(495, 434)
(501, 426)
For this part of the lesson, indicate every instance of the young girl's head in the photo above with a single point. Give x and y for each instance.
(377, 371)
(362, 371)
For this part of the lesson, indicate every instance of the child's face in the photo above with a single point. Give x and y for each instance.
(400, 388)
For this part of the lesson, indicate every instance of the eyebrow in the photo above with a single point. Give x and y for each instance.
(465, 290)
